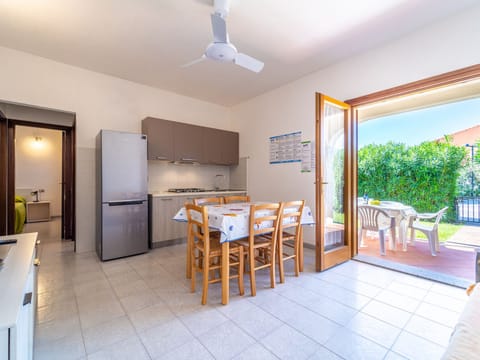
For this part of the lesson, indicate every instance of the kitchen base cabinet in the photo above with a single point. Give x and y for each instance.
(163, 227)
(166, 231)
(18, 299)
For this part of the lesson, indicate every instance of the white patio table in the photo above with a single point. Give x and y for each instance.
(402, 214)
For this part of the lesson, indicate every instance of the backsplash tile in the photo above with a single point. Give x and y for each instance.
(162, 176)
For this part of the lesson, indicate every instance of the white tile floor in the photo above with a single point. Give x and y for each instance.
(141, 308)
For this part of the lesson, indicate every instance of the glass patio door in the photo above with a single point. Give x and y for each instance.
(334, 182)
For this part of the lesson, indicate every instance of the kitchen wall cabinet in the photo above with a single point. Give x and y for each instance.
(159, 138)
(188, 143)
(173, 141)
(220, 147)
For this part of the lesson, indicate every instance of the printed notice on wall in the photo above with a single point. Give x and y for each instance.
(308, 156)
(286, 148)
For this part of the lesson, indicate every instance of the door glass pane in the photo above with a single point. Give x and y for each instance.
(333, 146)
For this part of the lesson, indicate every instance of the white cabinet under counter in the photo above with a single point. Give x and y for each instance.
(163, 206)
(18, 296)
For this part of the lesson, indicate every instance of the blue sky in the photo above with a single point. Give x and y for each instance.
(413, 127)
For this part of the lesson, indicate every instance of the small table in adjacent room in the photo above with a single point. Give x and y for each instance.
(38, 211)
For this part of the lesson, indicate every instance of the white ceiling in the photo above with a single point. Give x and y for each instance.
(147, 41)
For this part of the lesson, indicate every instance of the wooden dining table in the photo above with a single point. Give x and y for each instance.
(232, 221)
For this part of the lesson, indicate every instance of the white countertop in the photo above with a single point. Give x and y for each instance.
(203, 193)
(13, 277)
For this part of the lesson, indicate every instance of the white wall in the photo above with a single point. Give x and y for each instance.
(99, 101)
(38, 164)
(437, 49)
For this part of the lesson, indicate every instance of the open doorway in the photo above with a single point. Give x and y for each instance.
(38, 180)
(402, 190)
(33, 169)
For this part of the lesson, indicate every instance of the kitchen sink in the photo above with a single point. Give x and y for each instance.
(225, 190)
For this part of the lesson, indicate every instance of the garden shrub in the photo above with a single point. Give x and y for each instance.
(423, 176)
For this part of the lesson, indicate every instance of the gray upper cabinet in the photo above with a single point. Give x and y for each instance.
(220, 147)
(210, 145)
(160, 138)
(188, 143)
(173, 141)
(230, 147)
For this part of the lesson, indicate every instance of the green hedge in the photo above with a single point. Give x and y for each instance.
(423, 176)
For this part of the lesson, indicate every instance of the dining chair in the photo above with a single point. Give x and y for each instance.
(206, 250)
(431, 231)
(236, 199)
(261, 242)
(289, 232)
(378, 220)
(208, 201)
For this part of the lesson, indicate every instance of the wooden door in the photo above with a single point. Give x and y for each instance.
(334, 182)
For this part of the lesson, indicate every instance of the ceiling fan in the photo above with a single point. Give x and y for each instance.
(221, 49)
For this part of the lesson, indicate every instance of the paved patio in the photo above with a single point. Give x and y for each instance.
(455, 259)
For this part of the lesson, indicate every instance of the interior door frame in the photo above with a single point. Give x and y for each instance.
(68, 184)
(3, 170)
(325, 260)
(68, 175)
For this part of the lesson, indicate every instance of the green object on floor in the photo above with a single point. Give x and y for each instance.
(20, 213)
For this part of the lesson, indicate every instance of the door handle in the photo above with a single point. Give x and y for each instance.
(125, 202)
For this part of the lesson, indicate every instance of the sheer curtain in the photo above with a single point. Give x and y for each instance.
(333, 155)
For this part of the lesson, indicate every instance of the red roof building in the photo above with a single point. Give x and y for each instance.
(466, 136)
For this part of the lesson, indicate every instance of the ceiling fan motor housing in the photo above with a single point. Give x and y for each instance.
(221, 51)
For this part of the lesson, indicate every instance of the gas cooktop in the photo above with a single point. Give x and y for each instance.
(185, 190)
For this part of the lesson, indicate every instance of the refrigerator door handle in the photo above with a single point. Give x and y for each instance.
(125, 202)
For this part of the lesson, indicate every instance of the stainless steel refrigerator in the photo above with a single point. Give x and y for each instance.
(122, 203)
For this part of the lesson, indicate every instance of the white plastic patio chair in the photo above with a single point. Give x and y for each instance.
(431, 231)
(375, 219)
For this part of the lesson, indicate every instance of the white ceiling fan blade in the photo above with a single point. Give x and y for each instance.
(248, 62)
(219, 28)
(221, 7)
(194, 62)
